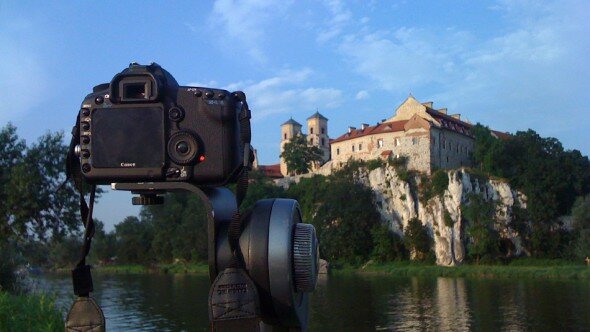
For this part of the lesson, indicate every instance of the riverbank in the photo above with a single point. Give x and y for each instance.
(188, 268)
(29, 313)
(520, 268)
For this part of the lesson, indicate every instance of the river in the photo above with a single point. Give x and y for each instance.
(158, 302)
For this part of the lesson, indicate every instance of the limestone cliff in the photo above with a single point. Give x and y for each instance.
(398, 202)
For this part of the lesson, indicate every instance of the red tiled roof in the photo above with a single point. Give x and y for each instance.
(501, 135)
(272, 171)
(385, 127)
(449, 122)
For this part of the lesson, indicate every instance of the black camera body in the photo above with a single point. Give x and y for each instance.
(144, 127)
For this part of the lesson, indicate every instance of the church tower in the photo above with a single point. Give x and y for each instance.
(317, 134)
(289, 129)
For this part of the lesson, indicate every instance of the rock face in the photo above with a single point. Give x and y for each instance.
(398, 202)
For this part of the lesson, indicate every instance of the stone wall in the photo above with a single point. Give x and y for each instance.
(450, 150)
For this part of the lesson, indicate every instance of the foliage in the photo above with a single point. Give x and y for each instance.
(343, 213)
(433, 186)
(484, 240)
(439, 182)
(416, 239)
(581, 218)
(29, 313)
(134, 239)
(299, 156)
(374, 164)
(9, 260)
(344, 231)
(179, 228)
(581, 213)
(104, 245)
(387, 246)
(30, 204)
(260, 188)
(550, 177)
(64, 252)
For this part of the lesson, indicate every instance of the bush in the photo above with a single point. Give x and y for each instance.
(417, 239)
(29, 313)
(387, 246)
(8, 265)
(440, 182)
(374, 164)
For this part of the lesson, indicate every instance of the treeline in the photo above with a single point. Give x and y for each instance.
(556, 183)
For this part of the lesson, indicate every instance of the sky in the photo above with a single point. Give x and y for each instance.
(511, 65)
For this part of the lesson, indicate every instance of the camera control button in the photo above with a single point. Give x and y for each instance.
(209, 94)
(99, 100)
(85, 112)
(85, 125)
(85, 139)
(175, 114)
(86, 168)
(85, 153)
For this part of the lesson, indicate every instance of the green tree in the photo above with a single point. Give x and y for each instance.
(180, 228)
(343, 213)
(31, 206)
(299, 156)
(134, 239)
(484, 240)
(104, 245)
(581, 218)
(417, 240)
(387, 246)
(489, 152)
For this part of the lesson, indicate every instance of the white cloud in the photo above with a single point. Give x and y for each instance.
(363, 94)
(287, 93)
(339, 18)
(533, 68)
(246, 23)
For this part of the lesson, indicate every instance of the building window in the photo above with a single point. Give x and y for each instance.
(380, 143)
(323, 130)
(415, 140)
(323, 142)
(396, 142)
(311, 141)
(360, 146)
(338, 151)
(444, 143)
(285, 136)
(353, 148)
(433, 140)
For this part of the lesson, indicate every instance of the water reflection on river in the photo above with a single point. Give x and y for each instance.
(352, 303)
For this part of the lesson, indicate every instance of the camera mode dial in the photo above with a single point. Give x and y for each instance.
(183, 148)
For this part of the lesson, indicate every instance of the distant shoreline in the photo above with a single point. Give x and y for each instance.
(525, 268)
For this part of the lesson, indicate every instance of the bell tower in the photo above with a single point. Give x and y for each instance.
(289, 129)
(317, 134)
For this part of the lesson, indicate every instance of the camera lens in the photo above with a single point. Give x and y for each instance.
(182, 147)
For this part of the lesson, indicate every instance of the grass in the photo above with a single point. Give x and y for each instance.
(179, 268)
(520, 268)
(29, 313)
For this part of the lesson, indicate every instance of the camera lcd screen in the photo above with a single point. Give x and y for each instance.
(128, 137)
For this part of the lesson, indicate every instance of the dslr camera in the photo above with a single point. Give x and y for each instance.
(144, 133)
(144, 127)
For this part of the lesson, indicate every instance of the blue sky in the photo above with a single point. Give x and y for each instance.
(512, 65)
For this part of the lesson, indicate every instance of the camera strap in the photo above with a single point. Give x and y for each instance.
(234, 303)
(85, 314)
